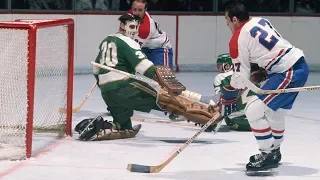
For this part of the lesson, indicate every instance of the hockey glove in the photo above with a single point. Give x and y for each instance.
(227, 107)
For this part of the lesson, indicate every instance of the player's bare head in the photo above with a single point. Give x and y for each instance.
(236, 14)
(129, 24)
(139, 7)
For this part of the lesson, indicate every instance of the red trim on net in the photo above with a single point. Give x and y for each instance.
(32, 28)
(32, 38)
(70, 78)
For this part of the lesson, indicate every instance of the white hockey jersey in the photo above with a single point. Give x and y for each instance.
(150, 35)
(257, 41)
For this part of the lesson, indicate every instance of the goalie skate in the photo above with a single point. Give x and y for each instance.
(96, 129)
(117, 134)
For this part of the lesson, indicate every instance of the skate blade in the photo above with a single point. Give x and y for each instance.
(268, 172)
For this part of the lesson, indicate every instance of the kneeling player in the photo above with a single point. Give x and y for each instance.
(232, 101)
(123, 95)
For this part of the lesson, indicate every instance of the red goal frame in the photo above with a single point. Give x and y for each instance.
(32, 25)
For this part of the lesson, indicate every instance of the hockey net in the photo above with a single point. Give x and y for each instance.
(36, 76)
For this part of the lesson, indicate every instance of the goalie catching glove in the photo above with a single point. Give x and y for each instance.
(166, 79)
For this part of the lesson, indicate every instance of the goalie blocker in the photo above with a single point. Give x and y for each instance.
(168, 98)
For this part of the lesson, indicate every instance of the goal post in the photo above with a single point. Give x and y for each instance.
(36, 76)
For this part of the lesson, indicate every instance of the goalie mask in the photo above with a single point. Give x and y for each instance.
(130, 24)
(224, 63)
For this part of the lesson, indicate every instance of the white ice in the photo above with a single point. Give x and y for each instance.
(220, 157)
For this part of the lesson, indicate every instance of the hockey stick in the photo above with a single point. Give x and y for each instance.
(77, 109)
(155, 169)
(156, 121)
(149, 81)
(257, 90)
(144, 79)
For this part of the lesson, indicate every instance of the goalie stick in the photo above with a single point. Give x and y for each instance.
(157, 121)
(77, 109)
(257, 90)
(155, 169)
(147, 80)
(143, 79)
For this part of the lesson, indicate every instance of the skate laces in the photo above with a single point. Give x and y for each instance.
(259, 158)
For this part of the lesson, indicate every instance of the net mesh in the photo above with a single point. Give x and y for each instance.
(50, 91)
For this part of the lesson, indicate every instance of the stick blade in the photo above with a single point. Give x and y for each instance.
(139, 168)
(62, 110)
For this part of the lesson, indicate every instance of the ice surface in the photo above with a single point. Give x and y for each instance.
(221, 156)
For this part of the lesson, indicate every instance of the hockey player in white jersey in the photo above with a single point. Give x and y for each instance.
(154, 42)
(255, 40)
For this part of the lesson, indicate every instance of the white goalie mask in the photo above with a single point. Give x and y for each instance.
(131, 28)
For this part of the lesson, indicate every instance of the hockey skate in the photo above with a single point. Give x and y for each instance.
(255, 157)
(263, 164)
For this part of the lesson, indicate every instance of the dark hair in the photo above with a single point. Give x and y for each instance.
(141, 1)
(128, 17)
(237, 10)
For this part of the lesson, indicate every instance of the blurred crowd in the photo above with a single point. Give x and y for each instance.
(265, 6)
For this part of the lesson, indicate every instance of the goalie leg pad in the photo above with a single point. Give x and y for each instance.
(118, 134)
(193, 111)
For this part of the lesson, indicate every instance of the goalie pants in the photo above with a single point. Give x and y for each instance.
(160, 56)
(123, 101)
(266, 113)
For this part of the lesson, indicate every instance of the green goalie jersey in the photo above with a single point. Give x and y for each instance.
(237, 119)
(122, 53)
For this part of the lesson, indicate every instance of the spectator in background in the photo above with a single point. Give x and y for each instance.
(92, 5)
(119, 5)
(258, 5)
(157, 5)
(304, 6)
(188, 5)
(50, 4)
(3, 4)
(20, 4)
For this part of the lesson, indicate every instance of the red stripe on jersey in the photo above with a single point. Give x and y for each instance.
(274, 58)
(165, 41)
(144, 28)
(233, 43)
(166, 57)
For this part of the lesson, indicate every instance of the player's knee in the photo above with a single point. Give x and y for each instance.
(275, 116)
(255, 109)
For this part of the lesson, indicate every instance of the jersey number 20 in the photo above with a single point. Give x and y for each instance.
(268, 43)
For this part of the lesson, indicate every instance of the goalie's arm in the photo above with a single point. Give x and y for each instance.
(138, 60)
